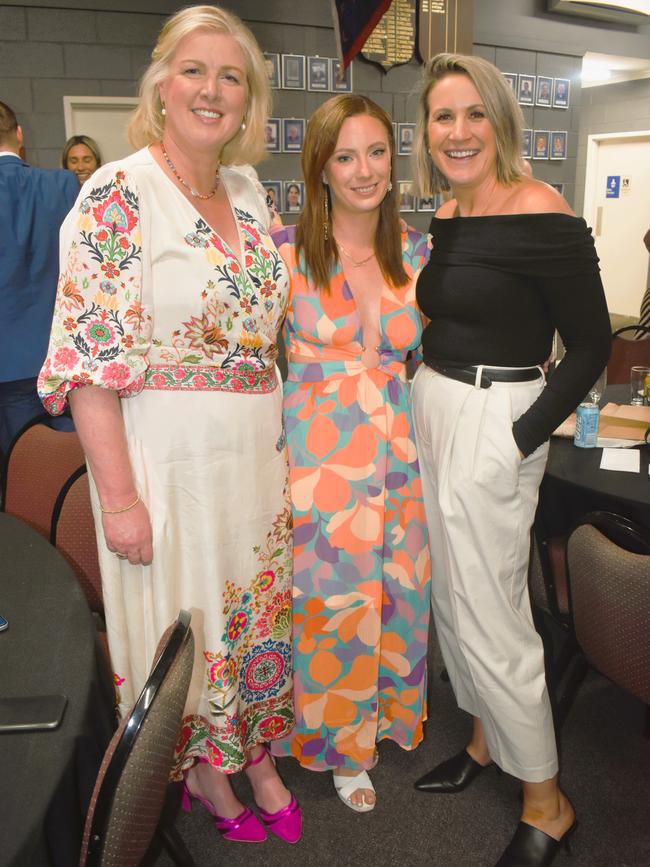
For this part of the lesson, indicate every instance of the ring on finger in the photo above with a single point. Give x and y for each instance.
(120, 556)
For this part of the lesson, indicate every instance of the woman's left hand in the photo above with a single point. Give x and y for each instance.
(128, 534)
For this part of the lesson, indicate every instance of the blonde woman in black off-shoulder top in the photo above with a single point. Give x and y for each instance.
(509, 264)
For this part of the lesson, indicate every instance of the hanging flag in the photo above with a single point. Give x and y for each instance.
(354, 21)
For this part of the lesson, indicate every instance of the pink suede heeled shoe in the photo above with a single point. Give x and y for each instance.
(285, 823)
(244, 828)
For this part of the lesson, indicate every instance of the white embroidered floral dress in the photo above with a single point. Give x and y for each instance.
(153, 304)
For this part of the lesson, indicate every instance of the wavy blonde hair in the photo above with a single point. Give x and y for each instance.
(501, 107)
(320, 254)
(147, 124)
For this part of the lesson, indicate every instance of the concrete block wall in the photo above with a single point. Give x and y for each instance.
(552, 65)
(48, 53)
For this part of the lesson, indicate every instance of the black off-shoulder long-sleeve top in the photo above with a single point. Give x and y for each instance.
(495, 289)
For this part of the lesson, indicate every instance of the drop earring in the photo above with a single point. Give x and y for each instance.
(163, 111)
(243, 124)
(326, 209)
(389, 187)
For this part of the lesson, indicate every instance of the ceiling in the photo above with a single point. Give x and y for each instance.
(599, 69)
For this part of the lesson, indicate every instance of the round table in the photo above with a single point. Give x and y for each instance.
(574, 484)
(50, 646)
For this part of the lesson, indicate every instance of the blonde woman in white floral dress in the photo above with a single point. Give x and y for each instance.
(164, 342)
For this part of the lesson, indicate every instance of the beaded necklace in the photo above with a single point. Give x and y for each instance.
(193, 191)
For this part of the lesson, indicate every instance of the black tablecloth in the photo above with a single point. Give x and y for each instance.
(46, 777)
(574, 484)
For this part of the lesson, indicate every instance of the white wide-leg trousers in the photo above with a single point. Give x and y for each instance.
(480, 500)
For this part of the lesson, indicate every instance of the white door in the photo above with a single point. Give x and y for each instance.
(103, 118)
(619, 212)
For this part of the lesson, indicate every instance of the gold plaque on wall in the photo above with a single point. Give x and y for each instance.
(445, 25)
(393, 40)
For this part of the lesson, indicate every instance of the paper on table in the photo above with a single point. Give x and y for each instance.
(626, 460)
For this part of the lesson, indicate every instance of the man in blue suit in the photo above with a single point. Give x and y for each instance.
(33, 204)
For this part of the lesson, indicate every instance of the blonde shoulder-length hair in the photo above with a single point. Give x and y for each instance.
(86, 140)
(501, 107)
(319, 249)
(147, 124)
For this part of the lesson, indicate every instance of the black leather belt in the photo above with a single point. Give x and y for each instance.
(467, 373)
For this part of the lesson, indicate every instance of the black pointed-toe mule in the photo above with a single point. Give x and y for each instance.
(451, 776)
(531, 847)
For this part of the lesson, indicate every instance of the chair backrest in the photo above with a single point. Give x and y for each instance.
(618, 529)
(39, 461)
(130, 790)
(610, 598)
(627, 351)
(73, 533)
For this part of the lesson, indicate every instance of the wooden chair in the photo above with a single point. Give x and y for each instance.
(73, 533)
(609, 571)
(627, 351)
(129, 794)
(38, 463)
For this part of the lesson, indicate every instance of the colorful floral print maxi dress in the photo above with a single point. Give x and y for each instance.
(361, 561)
(152, 303)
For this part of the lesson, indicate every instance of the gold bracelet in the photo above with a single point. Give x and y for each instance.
(118, 511)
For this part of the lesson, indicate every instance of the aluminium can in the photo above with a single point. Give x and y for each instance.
(587, 416)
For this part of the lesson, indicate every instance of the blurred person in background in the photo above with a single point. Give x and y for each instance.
(34, 204)
(81, 155)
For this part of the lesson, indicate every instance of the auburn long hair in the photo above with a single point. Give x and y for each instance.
(320, 252)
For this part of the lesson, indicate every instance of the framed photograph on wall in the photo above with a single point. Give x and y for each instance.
(405, 136)
(426, 205)
(406, 197)
(544, 90)
(272, 135)
(558, 187)
(318, 73)
(511, 78)
(541, 144)
(294, 197)
(527, 143)
(272, 62)
(293, 71)
(293, 134)
(561, 92)
(526, 90)
(344, 86)
(558, 144)
(273, 191)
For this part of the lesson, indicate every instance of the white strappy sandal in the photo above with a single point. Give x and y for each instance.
(346, 786)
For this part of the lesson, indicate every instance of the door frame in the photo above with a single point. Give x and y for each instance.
(594, 143)
(74, 107)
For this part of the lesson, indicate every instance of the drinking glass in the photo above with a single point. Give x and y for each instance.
(639, 385)
(596, 390)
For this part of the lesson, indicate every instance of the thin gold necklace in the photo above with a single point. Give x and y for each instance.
(351, 258)
(193, 191)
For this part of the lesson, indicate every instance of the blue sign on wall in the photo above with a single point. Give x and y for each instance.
(613, 187)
